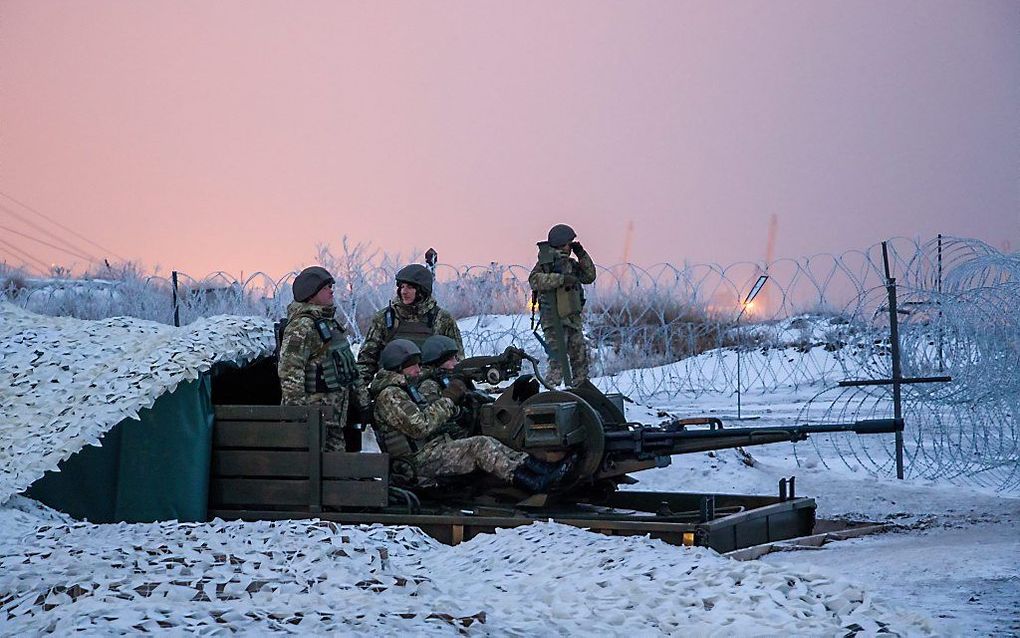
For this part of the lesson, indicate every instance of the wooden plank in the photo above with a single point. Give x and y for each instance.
(353, 465)
(355, 493)
(258, 492)
(315, 456)
(254, 434)
(260, 463)
(263, 412)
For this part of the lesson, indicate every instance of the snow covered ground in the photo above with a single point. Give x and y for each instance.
(950, 567)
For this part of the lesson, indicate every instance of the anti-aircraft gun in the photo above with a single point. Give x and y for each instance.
(266, 464)
(551, 424)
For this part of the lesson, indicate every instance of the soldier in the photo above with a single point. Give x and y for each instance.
(556, 283)
(316, 365)
(413, 315)
(439, 355)
(413, 430)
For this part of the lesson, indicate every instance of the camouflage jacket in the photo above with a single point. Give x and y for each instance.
(379, 334)
(541, 281)
(430, 384)
(396, 410)
(302, 347)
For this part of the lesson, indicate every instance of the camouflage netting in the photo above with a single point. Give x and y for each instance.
(312, 577)
(65, 382)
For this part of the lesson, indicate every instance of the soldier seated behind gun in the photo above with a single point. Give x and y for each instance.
(316, 365)
(556, 281)
(439, 356)
(412, 429)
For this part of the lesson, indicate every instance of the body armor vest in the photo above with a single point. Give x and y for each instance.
(416, 331)
(396, 443)
(569, 300)
(337, 371)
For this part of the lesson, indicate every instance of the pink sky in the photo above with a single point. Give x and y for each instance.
(236, 136)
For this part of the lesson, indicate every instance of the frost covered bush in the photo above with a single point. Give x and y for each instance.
(652, 329)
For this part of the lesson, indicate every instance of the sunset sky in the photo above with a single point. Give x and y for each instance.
(236, 136)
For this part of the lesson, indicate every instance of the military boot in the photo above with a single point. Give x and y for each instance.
(528, 481)
(538, 466)
(537, 476)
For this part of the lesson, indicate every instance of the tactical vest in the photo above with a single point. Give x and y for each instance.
(396, 443)
(328, 375)
(569, 299)
(416, 331)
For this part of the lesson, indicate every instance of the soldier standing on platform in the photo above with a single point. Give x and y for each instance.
(316, 365)
(413, 315)
(556, 285)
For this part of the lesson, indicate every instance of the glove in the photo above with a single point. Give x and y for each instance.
(577, 248)
(569, 280)
(344, 359)
(455, 391)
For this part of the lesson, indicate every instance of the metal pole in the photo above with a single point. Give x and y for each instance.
(177, 314)
(939, 288)
(740, 345)
(738, 382)
(894, 337)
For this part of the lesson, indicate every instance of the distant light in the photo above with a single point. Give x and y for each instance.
(688, 539)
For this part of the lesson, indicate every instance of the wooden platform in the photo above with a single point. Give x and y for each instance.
(269, 458)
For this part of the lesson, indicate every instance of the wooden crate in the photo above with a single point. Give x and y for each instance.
(268, 458)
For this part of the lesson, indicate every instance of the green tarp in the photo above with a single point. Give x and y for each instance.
(152, 469)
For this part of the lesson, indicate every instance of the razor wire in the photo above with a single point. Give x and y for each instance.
(666, 330)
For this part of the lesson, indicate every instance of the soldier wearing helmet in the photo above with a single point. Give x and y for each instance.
(413, 314)
(556, 285)
(415, 430)
(316, 365)
(439, 354)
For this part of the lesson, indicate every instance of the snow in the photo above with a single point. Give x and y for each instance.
(948, 567)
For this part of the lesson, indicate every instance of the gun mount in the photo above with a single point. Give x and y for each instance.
(551, 423)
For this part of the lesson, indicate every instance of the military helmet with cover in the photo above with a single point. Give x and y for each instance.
(310, 281)
(398, 354)
(561, 235)
(416, 275)
(437, 349)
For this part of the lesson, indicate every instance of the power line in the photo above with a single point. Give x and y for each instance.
(44, 231)
(25, 257)
(46, 243)
(53, 221)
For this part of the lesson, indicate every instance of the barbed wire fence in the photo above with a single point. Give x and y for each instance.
(668, 330)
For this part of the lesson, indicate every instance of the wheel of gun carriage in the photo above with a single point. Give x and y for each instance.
(531, 426)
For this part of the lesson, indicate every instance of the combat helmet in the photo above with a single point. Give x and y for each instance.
(437, 349)
(418, 276)
(398, 354)
(561, 235)
(310, 281)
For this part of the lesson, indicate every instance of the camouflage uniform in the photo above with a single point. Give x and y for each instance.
(434, 451)
(430, 384)
(409, 322)
(577, 351)
(301, 349)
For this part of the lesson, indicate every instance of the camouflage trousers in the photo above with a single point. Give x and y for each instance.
(334, 416)
(577, 355)
(447, 457)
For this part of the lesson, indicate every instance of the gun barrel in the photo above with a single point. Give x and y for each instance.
(643, 442)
